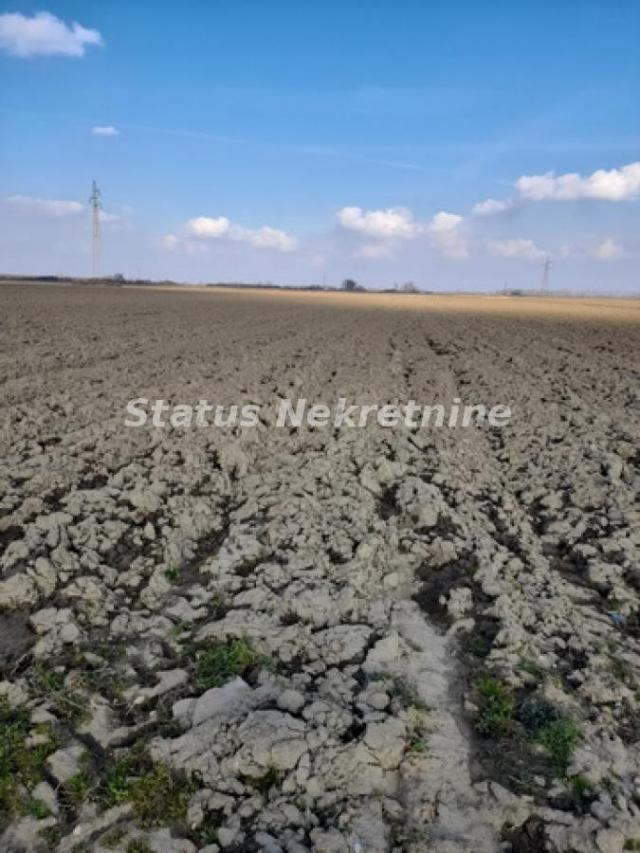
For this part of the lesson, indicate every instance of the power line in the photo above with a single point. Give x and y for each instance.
(95, 200)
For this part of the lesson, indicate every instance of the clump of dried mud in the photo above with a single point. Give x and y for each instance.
(364, 640)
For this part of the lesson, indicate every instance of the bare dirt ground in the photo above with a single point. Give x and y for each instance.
(334, 640)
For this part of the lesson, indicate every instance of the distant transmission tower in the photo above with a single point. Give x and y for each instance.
(546, 269)
(95, 200)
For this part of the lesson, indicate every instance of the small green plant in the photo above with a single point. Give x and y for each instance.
(631, 844)
(219, 663)
(68, 705)
(173, 574)
(531, 668)
(496, 706)
(249, 564)
(417, 743)
(622, 670)
(267, 781)
(21, 765)
(51, 835)
(157, 794)
(560, 738)
(160, 797)
(582, 791)
(37, 809)
(113, 837)
(535, 712)
(77, 788)
(207, 832)
(138, 845)
(407, 695)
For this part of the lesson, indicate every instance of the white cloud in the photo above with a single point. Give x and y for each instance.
(221, 228)
(173, 243)
(44, 206)
(395, 222)
(613, 185)
(170, 242)
(110, 218)
(444, 230)
(205, 226)
(264, 238)
(491, 207)
(607, 250)
(517, 248)
(105, 130)
(44, 35)
(374, 250)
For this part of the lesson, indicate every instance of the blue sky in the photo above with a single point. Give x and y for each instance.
(291, 141)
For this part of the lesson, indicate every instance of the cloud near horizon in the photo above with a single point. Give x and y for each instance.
(44, 206)
(397, 224)
(608, 185)
(220, 228)
(608, 250)
(44, 35)
(520, 247)
(614, 185)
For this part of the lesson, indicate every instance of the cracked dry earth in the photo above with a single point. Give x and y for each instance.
(352, 640)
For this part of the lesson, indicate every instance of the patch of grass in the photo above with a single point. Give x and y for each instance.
(560, 738)
(20, 765)
(158, 795)
(68, 705)
(496, 706)
(113, 837)
(622, 670)
(180, 628)
(631, 844)
(138, 845)
(267, 781)
(52, 835)
(531, 668)
(221, 662)
(77, 788)
(417, 743)
(218, 606)
(536, 712)
(207, 832)
(38, 809)
(582, 792)
(407, 695)
(173, 575)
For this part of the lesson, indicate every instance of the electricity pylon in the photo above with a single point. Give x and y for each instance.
(95, 200)
(546, 269)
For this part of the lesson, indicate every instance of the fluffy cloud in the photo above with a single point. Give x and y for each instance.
(44, 206)
(205, 226)
(173, 243)
(517, 248)
(397, 223)
(491, 206)
(44, 35)
(374, 250)
(444, 230)
(613, 185)
(221, 228)
(105, 130)
(608, 249)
